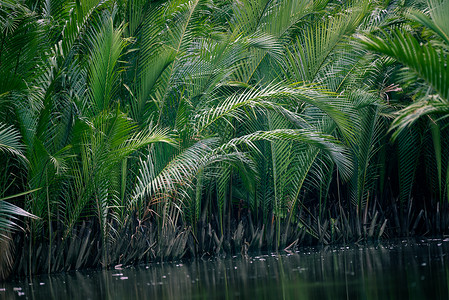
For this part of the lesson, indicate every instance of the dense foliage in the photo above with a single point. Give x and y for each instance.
(142, 130)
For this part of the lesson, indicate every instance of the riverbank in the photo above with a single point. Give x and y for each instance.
(146, 242)
(400, 269)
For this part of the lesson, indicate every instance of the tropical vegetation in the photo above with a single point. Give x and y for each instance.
(146, 130)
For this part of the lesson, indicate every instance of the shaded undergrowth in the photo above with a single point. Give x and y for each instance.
(144, 242)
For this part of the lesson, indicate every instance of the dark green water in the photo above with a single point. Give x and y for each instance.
(399, 270)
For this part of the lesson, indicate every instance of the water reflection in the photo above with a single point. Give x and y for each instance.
(402, 270)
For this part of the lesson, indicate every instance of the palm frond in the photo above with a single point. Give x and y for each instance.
(107, 46)
(323, 142)
(437, 21)
(9, 213)
(267, 26)
(10, 141)
(76, 26)
(237, 105)
(314, 48)
(179, 171)
(433, 105)
(408, 153)
(429, 63)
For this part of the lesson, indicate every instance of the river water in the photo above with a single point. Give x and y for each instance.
(390, 270)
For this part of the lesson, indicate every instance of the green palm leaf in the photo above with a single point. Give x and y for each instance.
(437, 21)
(323, 142)
(9, 213)
(10, 141)
(107, 46)
(429, 63)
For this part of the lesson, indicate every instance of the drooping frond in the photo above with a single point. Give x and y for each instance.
(9, 213)
(410, 114)
(437, 20)
(10, 141)
(179, 171)
(240, 104)
(323, 142)
(427, 61)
